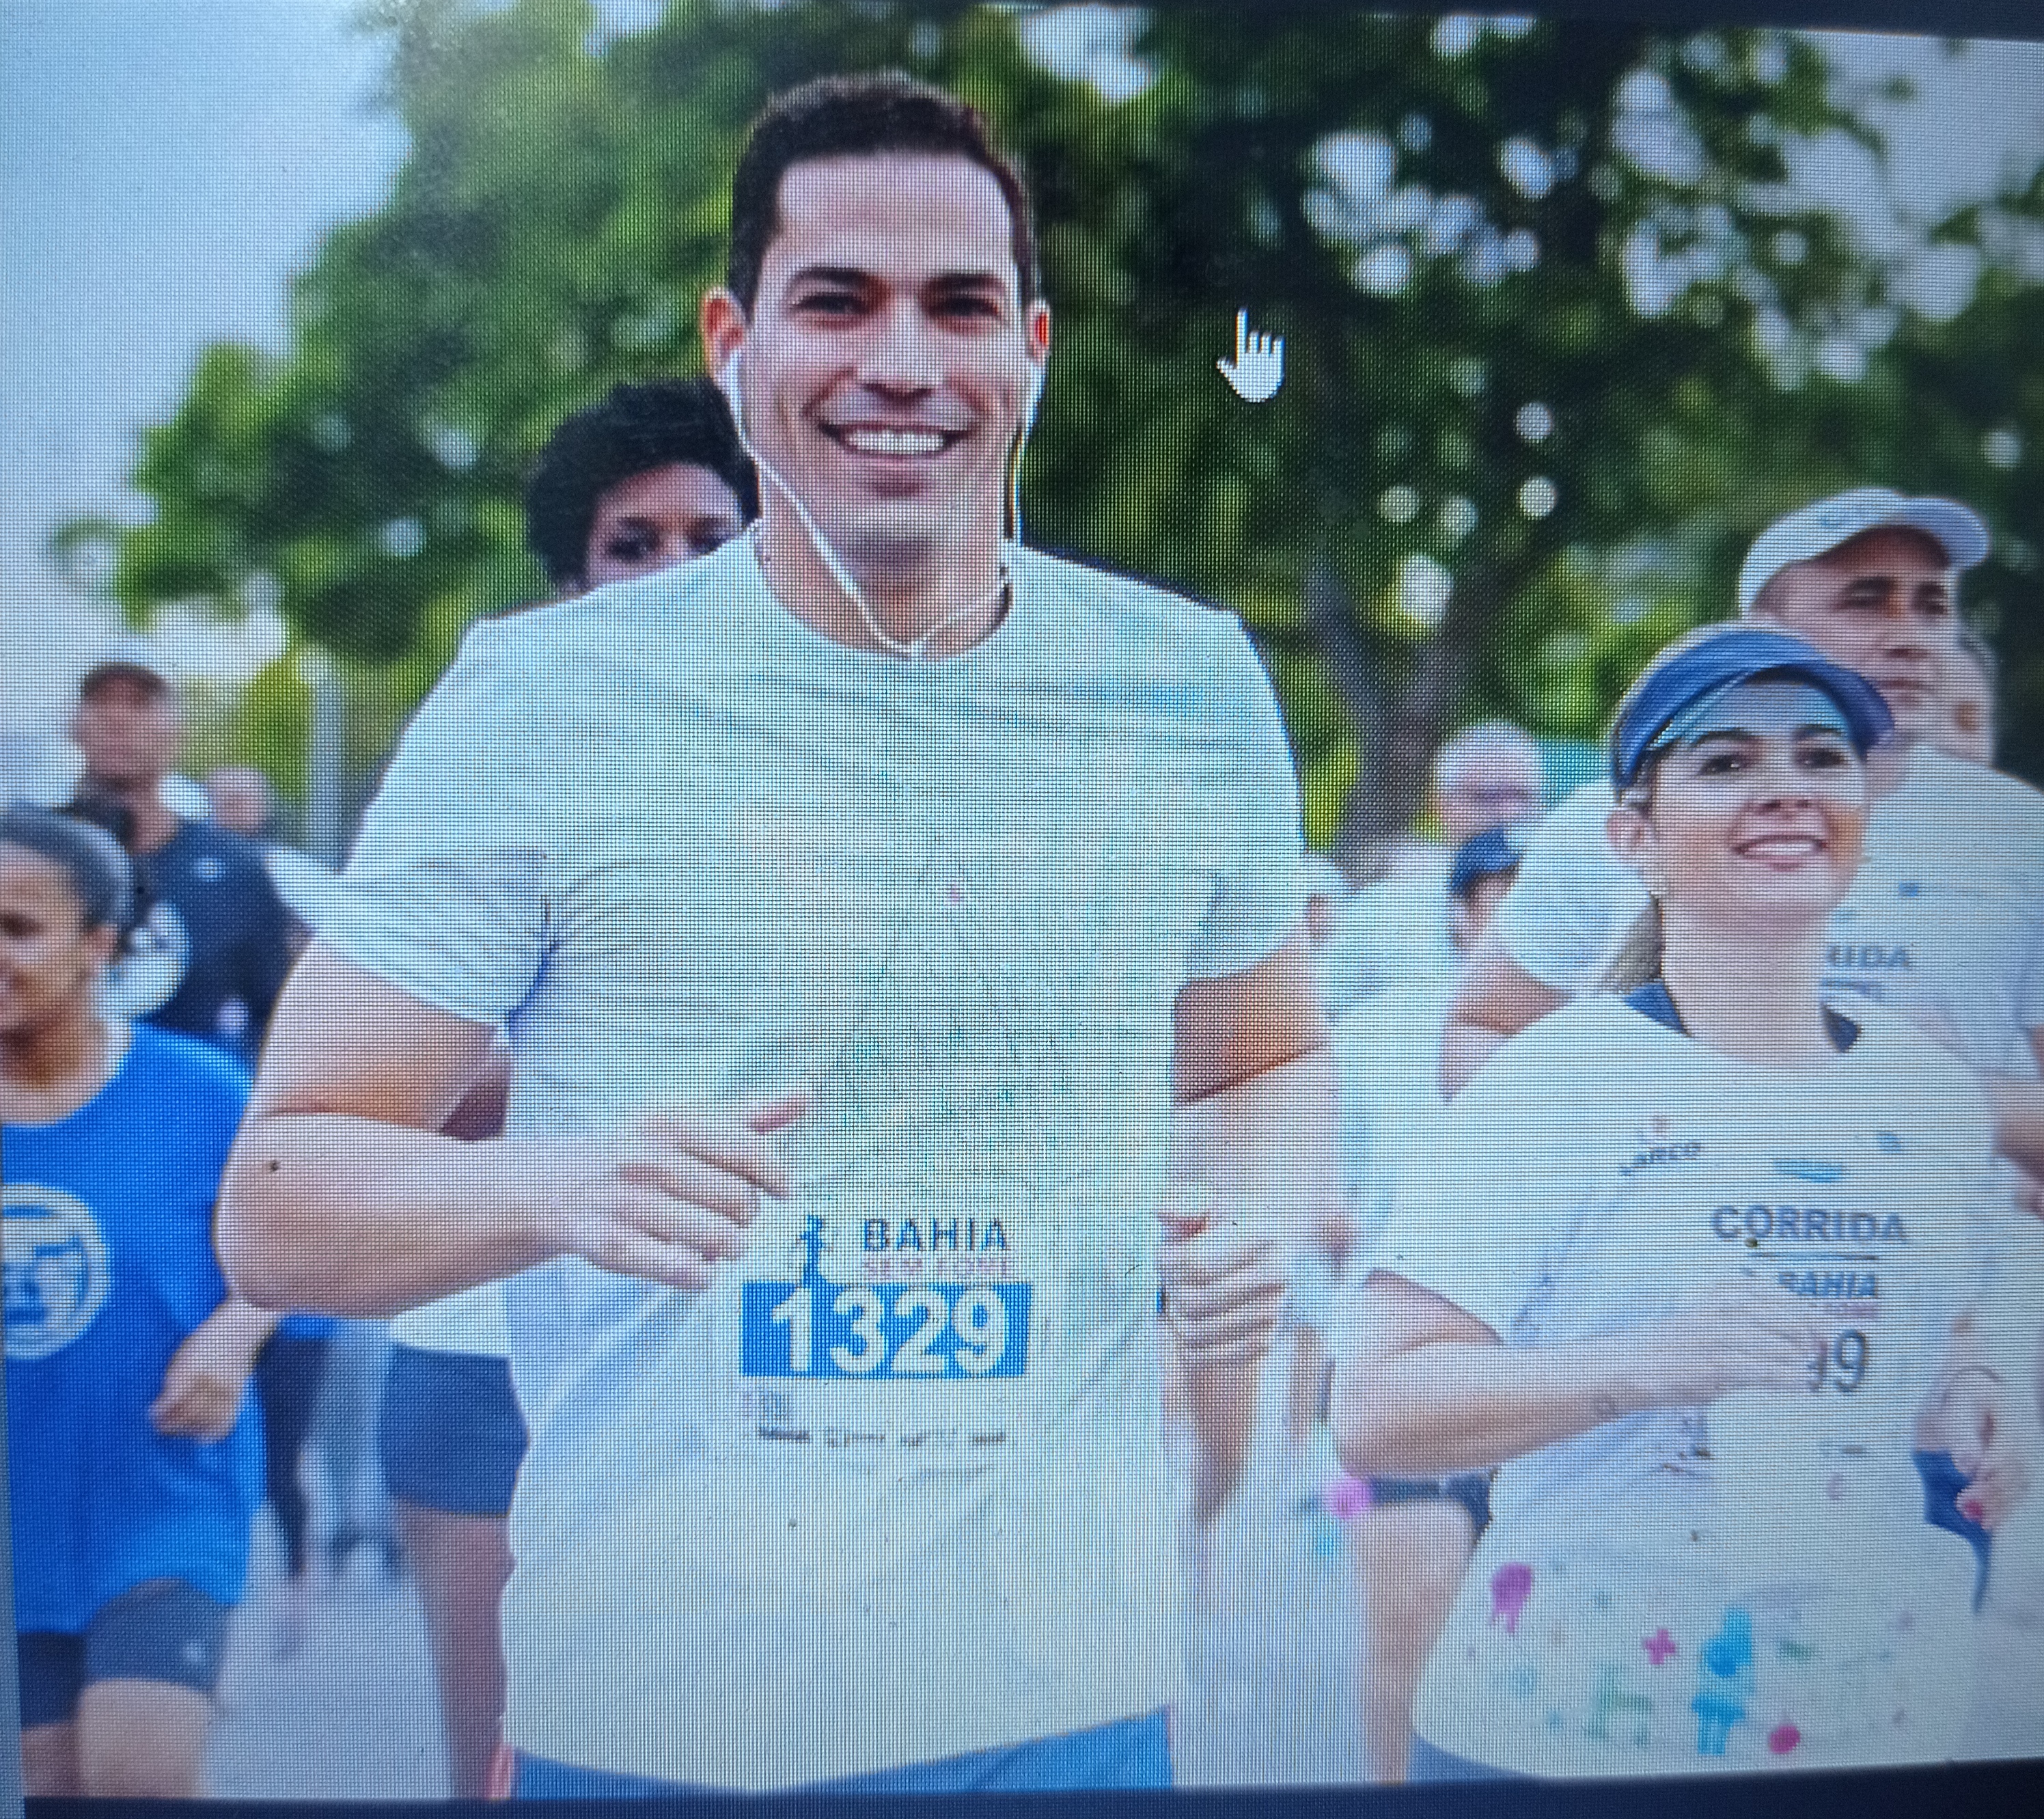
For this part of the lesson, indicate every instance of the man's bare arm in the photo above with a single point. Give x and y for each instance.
(1255, 1081)
(341, 1194)
(1497, 999)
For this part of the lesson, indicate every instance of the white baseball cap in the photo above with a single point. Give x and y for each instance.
(1817, 530)
(129, 655)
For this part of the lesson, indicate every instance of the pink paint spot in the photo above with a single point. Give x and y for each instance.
(1835, 1488)
(955, 894)
(1510, 1587)
(1783, 1738)
(1659, 1646)
(1345, 1499)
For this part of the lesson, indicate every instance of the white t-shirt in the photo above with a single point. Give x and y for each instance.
(472, 1321)
(1387, 1054)
(895, 1488)
(1752, 1585)
(305, 886)
(1947, 912)
(1393, 933)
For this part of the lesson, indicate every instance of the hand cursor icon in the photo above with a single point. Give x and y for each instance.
(1257, 368)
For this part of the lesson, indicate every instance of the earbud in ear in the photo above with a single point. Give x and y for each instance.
(727, 383)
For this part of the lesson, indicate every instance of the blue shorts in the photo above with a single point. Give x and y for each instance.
(1428, 1763)
(1131, 1752)
(1943, 1483)
(166, 1630)
(1471, 1489)
(451, 1436)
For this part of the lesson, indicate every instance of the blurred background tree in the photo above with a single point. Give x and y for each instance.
(1561, 336)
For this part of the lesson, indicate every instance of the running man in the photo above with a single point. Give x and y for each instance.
(650, 477)
(215, 952)
(886, 917)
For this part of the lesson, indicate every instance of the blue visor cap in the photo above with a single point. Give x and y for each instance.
(1490, 854)
(1707, 670)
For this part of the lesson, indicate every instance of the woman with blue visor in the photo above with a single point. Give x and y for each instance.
(1694, 1265)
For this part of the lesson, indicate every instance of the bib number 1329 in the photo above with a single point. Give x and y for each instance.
(933, 1331)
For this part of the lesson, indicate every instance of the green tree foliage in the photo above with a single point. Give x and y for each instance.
(1559, 337)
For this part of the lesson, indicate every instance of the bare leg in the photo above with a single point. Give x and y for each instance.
(49, 1760)
(1309, 1363)
(1411, 1557)
(142, 1739)
(461, 1563)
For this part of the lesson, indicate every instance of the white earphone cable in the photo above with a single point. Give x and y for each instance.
(917, 649)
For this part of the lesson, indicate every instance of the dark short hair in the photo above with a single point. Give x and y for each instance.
(862, 116)
(658, 424)
(101, 878)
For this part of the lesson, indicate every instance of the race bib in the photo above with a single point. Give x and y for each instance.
(1801, 1473)
(915, 1336)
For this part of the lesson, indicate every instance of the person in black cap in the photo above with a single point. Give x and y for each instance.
(1723, 1285)
(216, 950)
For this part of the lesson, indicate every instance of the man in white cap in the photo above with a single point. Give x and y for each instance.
(1946, 921)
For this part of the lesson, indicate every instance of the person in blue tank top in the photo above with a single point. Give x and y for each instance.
(136, 1465)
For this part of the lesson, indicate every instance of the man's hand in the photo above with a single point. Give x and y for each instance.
(674, 1197)
(1223, 1287)
(202, 1389)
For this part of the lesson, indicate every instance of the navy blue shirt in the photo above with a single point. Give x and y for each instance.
(109, 1268)
(213, 955)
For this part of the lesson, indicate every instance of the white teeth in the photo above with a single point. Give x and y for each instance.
(1782, 848)
(895, 441)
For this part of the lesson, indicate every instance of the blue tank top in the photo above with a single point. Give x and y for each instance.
(110, 1267)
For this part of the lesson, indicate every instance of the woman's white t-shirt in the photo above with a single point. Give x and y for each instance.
(1652, 1597)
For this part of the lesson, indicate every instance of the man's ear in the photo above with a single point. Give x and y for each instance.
(1036, 331)
(720, 319)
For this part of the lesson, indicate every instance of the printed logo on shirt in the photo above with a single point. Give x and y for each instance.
(1799, 1168)
(1805, 1225)
(1870, 957)
(58, 1276)
(147, 977)
(1657, 1148)
(208, 870)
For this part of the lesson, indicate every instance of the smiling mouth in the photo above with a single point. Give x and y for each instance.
(1781, 849)
(892, 442)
